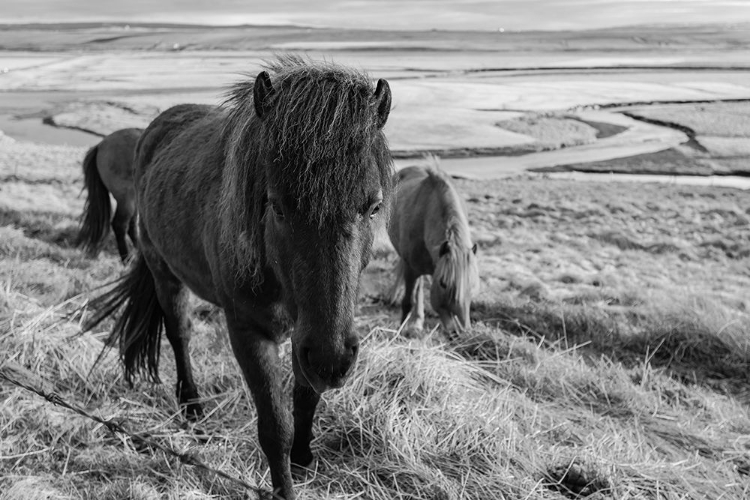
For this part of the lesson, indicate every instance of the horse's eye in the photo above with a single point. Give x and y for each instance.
(443, 284)
(277, 210)
(375, 209)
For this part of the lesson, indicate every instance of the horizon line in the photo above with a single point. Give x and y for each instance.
(5, 24)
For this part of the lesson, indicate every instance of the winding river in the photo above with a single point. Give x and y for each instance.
(639, 138)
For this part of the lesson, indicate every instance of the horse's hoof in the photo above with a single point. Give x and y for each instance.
(276, 494)
(302, 472)
(412, 332)
(193, 411)
(301, 456)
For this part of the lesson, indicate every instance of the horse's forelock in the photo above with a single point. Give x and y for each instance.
(457, 268)
(323, 137)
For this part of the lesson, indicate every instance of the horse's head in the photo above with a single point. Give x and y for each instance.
(328, 176)
(455, 280)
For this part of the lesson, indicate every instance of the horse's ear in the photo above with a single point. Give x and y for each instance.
(262, 93)
(382, 102)
(444, 248)
(474, 249)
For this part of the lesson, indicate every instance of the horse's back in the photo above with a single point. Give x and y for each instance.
(410, 174)
(431, 179)
(165, 128)
(114, 159)
(181, 150)
(407, 182)
(423, 199)
(408, 213)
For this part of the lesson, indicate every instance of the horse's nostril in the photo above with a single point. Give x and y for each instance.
(329, 366)
(306, 356)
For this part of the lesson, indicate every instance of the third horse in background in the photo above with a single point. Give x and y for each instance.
(108, 169)
(429, 229)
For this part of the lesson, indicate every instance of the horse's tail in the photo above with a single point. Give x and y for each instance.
(137, 331)
(97, 211)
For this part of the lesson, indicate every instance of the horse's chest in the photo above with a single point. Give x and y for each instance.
(260, 310)
(420, 260)
(282, 322)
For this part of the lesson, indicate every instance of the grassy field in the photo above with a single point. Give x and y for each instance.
(609, 358)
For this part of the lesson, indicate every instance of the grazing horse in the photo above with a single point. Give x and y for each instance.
(108, 168)
(265, 206)
(430, 231)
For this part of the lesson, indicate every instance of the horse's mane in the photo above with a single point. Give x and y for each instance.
(314, 146)
(457, 268)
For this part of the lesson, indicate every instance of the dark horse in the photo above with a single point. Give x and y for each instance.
(266, 208)
(108, 168)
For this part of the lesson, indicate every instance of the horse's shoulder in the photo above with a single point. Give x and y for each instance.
(167, 125)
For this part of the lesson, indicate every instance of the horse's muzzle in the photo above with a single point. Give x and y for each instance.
(326, 368)
(453, 323)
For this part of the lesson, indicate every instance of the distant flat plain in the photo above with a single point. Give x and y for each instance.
(455, 92)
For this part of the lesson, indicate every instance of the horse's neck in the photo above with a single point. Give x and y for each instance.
(452, 223)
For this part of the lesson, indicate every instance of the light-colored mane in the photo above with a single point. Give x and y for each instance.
(457, 269)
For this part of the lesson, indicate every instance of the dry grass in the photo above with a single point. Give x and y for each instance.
(609, 359)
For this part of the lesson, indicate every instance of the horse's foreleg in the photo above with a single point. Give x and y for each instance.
(120, 226)
(305, 402)
(419, 299)
(410, 279)
(259, 360)
(173, 298)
